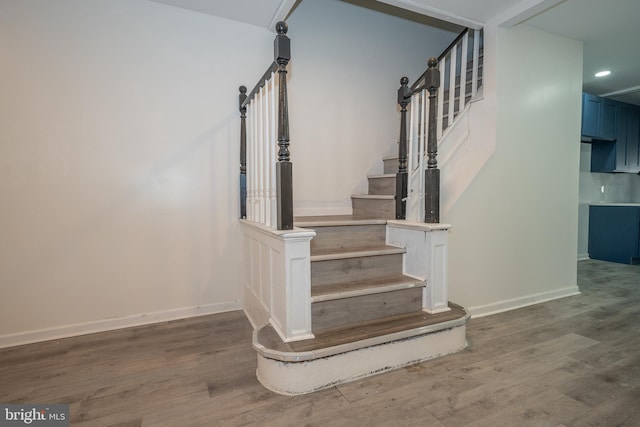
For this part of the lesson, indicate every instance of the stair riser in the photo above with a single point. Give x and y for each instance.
(347, 311)
(374, 208)
(348, 237)
(352, 269)
(381, 186)
(391, 165)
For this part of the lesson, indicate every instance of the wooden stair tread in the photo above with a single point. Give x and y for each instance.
(335, 220)
(328, 254)
(353, 337)
(380, 176)
(363, 287)
(374, 196)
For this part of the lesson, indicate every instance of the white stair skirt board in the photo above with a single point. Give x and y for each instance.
(290, 377)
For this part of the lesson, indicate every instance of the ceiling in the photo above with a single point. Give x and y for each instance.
(262, 13)
(608, 29)
(610, 32)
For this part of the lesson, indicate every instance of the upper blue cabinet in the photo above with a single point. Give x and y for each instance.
(599, 117)
(614, 128)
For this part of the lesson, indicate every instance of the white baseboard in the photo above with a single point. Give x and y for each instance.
(91, 327)
(583, 257)
(512, 304)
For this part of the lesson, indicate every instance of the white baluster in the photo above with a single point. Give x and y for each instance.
(464, 58)
(413, 145)
(259, 157)
(251, 162)
(440, 113)
(264, 154)
(476, 62)
(452, 83)
(425, 135)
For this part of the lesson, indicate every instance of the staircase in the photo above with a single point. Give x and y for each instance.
(337, 298)
(367, 314)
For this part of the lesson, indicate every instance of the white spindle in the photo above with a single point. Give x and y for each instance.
(250, 165)
(253, 164)
(423, 152)
(440, 113)
(264, 154)
(260, 165)
(476, 62)
(464, 61)
(414, 141)
(452, 84)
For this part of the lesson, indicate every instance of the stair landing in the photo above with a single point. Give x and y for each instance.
(346, 354)
(342, 339)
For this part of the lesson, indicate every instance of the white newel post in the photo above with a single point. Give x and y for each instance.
(425, 258)
(277, 287)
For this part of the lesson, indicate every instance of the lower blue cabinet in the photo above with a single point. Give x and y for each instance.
(614, 233)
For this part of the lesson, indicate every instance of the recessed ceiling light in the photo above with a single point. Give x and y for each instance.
(603, 73)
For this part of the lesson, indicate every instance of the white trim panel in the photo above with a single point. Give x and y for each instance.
(277, 282)
(425, 258)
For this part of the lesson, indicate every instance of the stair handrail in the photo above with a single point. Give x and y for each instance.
(452, 74)
(266, 185)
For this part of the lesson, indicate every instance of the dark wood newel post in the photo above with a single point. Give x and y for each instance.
(432, 173)
(402, 175)
(243, 152)
(284, 169)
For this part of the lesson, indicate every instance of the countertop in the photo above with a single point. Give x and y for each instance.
(614, 204)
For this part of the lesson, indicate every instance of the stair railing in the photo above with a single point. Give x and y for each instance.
(266, 185)
(433, 108)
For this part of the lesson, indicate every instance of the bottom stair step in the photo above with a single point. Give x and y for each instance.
(363, 308)
(348, 353)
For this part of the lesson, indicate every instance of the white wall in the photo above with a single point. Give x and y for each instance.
(514, 236)
(118, 163)
(345, 73)
(119, 148)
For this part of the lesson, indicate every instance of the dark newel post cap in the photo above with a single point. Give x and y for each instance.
(432, 76)
(282, 45)
(403, 91)
(242, 97)
(282, 27)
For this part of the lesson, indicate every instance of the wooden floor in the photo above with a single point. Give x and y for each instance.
(571, 362)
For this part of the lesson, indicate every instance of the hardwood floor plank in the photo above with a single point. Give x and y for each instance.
(620, 412)
(573, 361)
(550, 408)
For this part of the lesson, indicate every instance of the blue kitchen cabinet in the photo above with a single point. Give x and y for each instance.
(599, 117)
(614, 233)
(622, 153)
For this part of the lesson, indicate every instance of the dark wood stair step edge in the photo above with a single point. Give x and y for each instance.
(353, 337)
